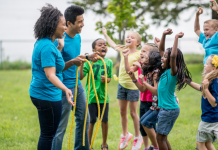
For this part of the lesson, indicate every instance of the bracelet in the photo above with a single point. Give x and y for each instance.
(135, 81)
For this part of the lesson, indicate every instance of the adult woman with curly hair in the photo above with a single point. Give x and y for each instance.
(47, 64)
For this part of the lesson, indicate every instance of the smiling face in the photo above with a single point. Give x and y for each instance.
(101, 47)
(61, 28)
(77, 26)
(144, 50)
(209, 31)
(164, 60)
(208, 67)
(131, 40)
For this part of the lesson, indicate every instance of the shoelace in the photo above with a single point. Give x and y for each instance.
(135, 141)
(122, 139)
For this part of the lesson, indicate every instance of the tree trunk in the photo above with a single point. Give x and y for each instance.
(214, 15)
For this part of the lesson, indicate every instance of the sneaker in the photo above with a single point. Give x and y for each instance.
(124, 140)
(150, 148)
(137, 143)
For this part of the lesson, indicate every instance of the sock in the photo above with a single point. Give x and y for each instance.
(156, 148)
(152, 145)
(136, 137)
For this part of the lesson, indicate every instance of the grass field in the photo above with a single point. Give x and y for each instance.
(19, 126)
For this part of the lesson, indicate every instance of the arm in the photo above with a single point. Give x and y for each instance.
(215, 6)
(81, 74)
(173, 54)
(126, 62)
(197, 25)
(207, 93)
(108, 39)
(162, 42)
(76, 61)
(103, 79)
(194, 85)
(141, 87)
(50, 74)
(152, 89)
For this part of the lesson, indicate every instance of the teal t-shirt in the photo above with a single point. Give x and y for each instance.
(98, 70)
(166, 90)
(45, 54)
(70, 51)
(210, 45)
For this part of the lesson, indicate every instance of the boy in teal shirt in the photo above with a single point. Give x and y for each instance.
(99, 45)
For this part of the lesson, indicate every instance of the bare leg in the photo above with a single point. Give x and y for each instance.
(91, 127)
(201, 145)
(104, 126)
(133, 112)
(162, 142)
(209, 145)
(152, 135)
(123, 113)
(146, 141)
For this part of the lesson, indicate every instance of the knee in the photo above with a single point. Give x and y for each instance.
(133, 114)
(123, 113)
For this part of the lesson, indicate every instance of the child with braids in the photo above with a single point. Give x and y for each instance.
(174, 75)
(208, 127)
(151, 68)
(145, 95)
(127, 91)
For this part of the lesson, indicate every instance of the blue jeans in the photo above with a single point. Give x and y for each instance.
(79, 119)
(149, 119)
(144, 107)
(166, 120)
(49, 113)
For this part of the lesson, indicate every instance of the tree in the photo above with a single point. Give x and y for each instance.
(128, 14)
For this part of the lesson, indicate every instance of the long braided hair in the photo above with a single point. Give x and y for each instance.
(182, 70)
(210, 76)
(153, 64)
(47, 23)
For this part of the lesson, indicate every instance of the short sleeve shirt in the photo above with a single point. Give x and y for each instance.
(210, 45)
(45, 54)
(209, 113)
(70, 51)
(98, 70)
(166, 90)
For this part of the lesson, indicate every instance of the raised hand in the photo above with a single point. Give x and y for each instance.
(215, 6)
(132, 75)
(180, 35)
(200, 11)
(168, 31)
(104, 31)
(61, 43)
(157, 41)
(125, 52)
(137, 64)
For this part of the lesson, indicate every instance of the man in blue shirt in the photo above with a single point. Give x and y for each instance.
(72, 58)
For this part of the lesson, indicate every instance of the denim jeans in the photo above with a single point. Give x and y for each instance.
(49, 113)
(144, 107)
(166, 120)
(149, 119)
(79, 119)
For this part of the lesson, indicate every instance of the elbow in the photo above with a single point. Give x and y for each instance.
(173, 56)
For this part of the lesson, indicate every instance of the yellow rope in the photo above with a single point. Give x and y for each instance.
(75, 96)
(102, 114)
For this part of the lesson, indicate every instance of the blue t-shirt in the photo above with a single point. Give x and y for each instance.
(166, 90)
(70, 51)
(210, 45)
(45, 54)
(209, 113)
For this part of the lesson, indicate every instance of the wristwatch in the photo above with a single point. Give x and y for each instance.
(87, 56)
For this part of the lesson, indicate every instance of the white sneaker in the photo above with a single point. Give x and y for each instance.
(124, 140)
(137, 143)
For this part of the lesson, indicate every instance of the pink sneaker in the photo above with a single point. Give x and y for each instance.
(137, 143)
(124, 141)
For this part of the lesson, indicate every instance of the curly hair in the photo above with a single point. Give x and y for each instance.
(153, 64)
(47, 23)
(72, 12)
(182, 70)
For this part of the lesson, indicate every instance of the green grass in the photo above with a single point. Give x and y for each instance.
(19, 126)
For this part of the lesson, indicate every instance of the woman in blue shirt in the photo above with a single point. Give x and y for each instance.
(47, 64)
